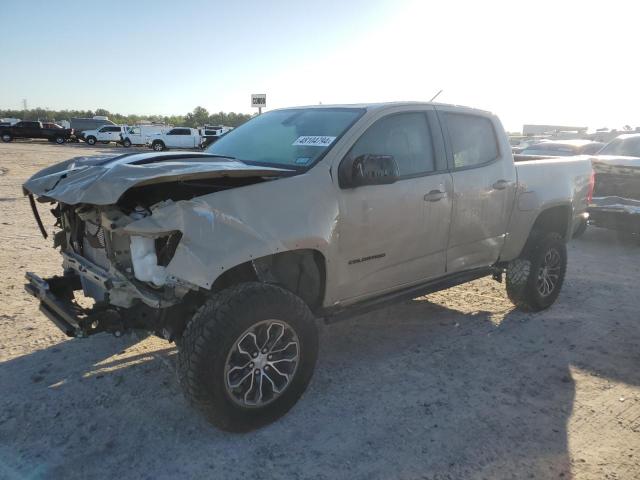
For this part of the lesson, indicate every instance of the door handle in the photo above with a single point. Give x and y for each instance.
(501, 184)
(434, 196)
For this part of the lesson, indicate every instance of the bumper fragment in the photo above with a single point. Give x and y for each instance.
(56, 302)
(62, 313)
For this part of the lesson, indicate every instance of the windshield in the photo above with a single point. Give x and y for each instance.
(628, 147)
(292, 138)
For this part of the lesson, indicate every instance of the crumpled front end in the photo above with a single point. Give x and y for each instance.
(124, 274)
(616, 200)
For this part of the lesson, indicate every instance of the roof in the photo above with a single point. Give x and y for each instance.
(380, 105)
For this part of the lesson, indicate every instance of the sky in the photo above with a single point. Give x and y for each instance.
(555, 62)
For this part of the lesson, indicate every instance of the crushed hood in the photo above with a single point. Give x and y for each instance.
(102, 180)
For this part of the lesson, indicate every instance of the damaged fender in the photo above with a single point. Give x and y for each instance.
(224, 229)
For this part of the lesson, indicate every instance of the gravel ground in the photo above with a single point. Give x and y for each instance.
(452, 385)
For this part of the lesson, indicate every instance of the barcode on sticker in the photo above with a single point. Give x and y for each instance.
(314, 141)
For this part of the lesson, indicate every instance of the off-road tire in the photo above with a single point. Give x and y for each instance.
(523, 272)
(91, 140)
(212, 333)
(126, 143)
(6, 137)
(158, 146)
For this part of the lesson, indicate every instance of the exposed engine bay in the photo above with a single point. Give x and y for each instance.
(109, 250)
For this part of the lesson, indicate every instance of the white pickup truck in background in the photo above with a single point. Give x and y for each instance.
(180, 137)
(104, 134)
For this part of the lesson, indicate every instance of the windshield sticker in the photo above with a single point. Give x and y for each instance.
(302, 160)
(313, 141)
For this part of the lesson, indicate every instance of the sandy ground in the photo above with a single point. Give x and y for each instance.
(453, 385)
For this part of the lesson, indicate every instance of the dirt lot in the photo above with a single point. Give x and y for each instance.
(453, 385)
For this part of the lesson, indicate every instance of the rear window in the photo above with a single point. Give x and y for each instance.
(473, 139)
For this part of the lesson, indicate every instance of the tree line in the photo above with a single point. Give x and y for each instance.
(200, 116)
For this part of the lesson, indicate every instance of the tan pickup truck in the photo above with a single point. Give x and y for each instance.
(301, 213)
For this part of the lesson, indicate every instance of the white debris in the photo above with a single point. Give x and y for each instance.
(145, 261)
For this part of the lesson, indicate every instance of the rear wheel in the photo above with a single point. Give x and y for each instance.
(59, 140)
(126, 143)
(535, 278)
(247, 355)
(6, 137)
(91, 140)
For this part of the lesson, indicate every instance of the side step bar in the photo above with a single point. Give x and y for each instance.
(333, 314)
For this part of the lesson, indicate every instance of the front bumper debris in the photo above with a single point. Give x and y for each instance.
(61, 313)
(122, 292)
(56, 302)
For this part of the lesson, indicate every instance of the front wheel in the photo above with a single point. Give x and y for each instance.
(91, 140)
(247, 355)
(126, 143)
(59, 140)
(535, 278)
(158, 146)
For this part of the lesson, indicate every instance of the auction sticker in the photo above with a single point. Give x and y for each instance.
(313, 141)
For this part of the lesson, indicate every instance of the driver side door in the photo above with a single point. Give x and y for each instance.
(392, 236)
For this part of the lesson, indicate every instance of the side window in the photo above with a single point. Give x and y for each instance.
(184, 131)
(473, 139)
(406, 136)
(172, 132)
(103, 129)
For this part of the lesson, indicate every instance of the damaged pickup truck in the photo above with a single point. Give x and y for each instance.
(301, 213)
(616, 197)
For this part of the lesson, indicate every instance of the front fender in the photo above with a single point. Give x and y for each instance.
(225, 229)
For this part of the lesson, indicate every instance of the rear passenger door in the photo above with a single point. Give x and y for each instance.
(113, 134)
(179, 138)
(28, 129)
(393, 236)
(484, 183)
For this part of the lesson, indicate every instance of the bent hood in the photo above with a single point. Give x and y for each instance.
(102, 180)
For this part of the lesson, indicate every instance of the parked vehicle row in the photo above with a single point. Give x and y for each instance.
(333, 210)
(123, 134)
(156, 137)
(102, 130)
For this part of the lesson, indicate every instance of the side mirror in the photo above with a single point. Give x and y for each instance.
(367, 170)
